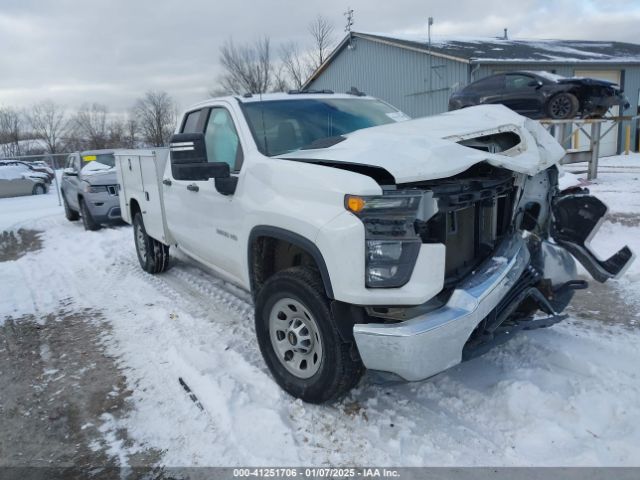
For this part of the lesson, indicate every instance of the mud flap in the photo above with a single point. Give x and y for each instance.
(577, 218)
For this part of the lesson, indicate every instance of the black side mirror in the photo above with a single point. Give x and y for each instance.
(188, 148)
(534, 83)
(189, 159)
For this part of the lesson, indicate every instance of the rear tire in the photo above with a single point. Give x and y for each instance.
(299, 340)
(562, 106)
(71, 215)
(87, 220)
(152, 254)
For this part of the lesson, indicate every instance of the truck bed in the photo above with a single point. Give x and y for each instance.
(140, 174)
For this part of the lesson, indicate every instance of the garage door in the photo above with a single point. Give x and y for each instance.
(609, 143)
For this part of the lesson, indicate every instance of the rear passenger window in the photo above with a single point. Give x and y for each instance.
(191, 122)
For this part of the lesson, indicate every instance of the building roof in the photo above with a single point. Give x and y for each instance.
(492, 50)
(496, 50)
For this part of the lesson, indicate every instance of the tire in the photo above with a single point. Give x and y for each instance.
(312, 363)
(152, 254)
(87, 220)
(562, 106)
(71, 215)
(39, 189)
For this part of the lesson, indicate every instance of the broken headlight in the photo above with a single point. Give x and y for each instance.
(392, 246)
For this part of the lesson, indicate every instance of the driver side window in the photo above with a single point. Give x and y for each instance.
(515, 82)
(222, 141)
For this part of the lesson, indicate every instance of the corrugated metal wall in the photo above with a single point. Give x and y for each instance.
(420, 85)
(398, 76)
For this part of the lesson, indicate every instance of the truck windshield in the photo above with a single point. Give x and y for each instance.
(281, 126)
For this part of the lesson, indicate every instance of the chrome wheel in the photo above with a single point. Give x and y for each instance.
(141, 243)
(295, 337)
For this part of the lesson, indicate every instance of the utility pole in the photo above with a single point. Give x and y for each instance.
(347, 28)
(429, 24)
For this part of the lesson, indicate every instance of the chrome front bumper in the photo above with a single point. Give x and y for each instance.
(430, 343)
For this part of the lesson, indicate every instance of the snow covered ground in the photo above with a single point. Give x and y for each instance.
(567, 395)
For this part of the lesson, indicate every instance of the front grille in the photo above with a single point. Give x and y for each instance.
(474, 214)
(112, 189)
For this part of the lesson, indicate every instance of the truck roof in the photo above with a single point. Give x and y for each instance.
(269, 97)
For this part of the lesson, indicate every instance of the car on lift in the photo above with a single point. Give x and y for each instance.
(541, 94)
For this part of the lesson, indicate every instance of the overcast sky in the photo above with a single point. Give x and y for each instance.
(112, 51)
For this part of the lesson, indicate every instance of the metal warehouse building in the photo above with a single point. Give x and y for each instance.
(418, 77)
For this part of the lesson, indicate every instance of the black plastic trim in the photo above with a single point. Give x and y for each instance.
(295, 239)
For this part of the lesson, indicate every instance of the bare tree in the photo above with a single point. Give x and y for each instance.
(156, 115)
(322, 32)
(48, 121)
(294, 64)
(11, 132)
(248, 67)
(91, 127)
(116, 133)
(131, 133)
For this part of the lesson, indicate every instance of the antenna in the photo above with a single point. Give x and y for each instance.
(429, 23)
(347, 28)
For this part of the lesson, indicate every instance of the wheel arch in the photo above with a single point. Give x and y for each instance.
(262, 233)
(134, 207)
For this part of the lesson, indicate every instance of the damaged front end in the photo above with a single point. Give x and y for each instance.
(510, 244)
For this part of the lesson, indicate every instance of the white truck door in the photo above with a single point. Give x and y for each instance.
(223, 145)
(180, 202)
(204, 222)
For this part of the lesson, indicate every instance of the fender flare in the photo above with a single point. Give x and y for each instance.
(295, 239)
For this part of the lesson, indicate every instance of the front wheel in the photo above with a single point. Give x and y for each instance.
(87, 219)
(39, 189)
(152, 254)
(299, 340)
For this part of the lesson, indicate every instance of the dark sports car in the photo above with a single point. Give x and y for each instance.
(542, 95)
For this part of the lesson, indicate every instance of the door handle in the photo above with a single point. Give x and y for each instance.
(166, 182)
(193, 187)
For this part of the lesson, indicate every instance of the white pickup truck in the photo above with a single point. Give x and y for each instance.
(367, 239)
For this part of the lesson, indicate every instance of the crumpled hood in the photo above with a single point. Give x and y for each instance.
(426, 148)
(97, 177)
